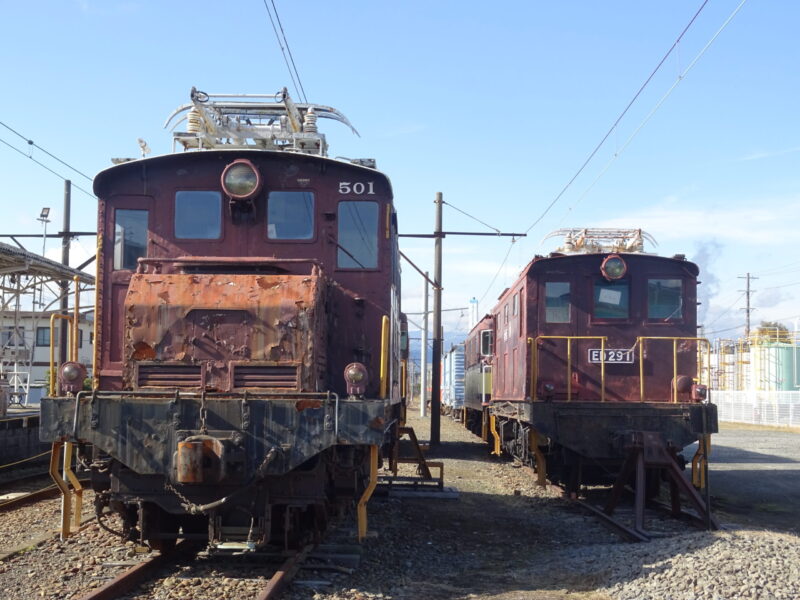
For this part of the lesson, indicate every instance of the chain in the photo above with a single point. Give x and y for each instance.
(203, 414)
(187, 504)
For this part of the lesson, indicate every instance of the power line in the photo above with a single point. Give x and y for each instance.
(502, 264)
(289, 50)
(646, 120)
(622, 114)
(44, 166)
(35, 145)
(292, 73)
(470, 216)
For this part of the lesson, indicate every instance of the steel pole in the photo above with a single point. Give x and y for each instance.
(436, 367)
(64, 285)
(423, 358)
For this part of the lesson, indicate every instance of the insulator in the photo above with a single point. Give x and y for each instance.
(310, 121)
(194, 122)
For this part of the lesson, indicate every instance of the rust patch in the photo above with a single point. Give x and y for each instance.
(143, 351)
(301, 405)
(376, 423)
(164, 295)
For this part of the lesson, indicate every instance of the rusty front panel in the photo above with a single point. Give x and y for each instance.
(225, 331)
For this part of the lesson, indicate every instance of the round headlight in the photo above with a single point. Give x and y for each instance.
(355, 373)
(240, 179)
(70, 372)
(614, 267)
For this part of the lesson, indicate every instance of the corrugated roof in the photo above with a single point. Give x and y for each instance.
(17, 259)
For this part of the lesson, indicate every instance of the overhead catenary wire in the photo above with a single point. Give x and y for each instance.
(44, 166)
(466, 214)
(283, 43)
(618, 120)
(499, 270)
(38, 147)
(663, 99)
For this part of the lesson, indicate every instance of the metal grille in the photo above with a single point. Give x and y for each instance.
(169, 375)
(265, 376)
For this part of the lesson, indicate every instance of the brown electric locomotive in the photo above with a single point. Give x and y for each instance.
(596, 367)
(247, 331)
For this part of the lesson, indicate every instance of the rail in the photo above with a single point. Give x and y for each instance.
(535, 356)
(641, 340)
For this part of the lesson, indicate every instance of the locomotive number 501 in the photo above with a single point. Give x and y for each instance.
(358, 187)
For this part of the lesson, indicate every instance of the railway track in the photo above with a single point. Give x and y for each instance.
(187, 559)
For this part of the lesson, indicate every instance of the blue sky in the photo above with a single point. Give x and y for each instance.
(495, 105)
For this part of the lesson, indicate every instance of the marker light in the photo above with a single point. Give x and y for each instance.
(240, 180)
(613, 267)
(72, 375)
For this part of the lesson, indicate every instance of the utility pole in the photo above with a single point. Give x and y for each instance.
(65, 240)
(436, 358)
(423, 359)
(747, 291)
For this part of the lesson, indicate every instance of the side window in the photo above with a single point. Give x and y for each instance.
(130, 237)
(556, 302)
(487, 343)
(198, 215)
(664, 299)
(611, 300)
(290, 215)
(358, 235)
(515, 309)
(505, 313)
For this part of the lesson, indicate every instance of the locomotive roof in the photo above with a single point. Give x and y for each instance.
(245, 123)
(136, 164)
(597, 257)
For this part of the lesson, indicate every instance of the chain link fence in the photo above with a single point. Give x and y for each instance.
(758, 408)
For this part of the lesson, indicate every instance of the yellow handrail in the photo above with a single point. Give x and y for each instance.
(535, 353)
(384, 373)
(53, 318)
(642, 339)
(361, 508)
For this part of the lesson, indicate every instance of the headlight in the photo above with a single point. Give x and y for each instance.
(355, 376)
(240, 179)
(613, 267)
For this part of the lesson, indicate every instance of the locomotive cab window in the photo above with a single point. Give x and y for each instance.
(130, 237)
(664, 299)
(198, 215)
(358, 235)
(611, 300)
(290, 215)
(556, 303)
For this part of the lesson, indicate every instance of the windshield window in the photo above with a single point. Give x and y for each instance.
(358, 235)
(290, 215)
(664, 299)
(198, 215)
(611, 300)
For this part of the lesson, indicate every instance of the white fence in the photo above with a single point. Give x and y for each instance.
(758, 408)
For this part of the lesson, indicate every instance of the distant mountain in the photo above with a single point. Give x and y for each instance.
(450, 339)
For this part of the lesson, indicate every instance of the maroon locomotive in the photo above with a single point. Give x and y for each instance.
(248, 331)
(595, 365)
